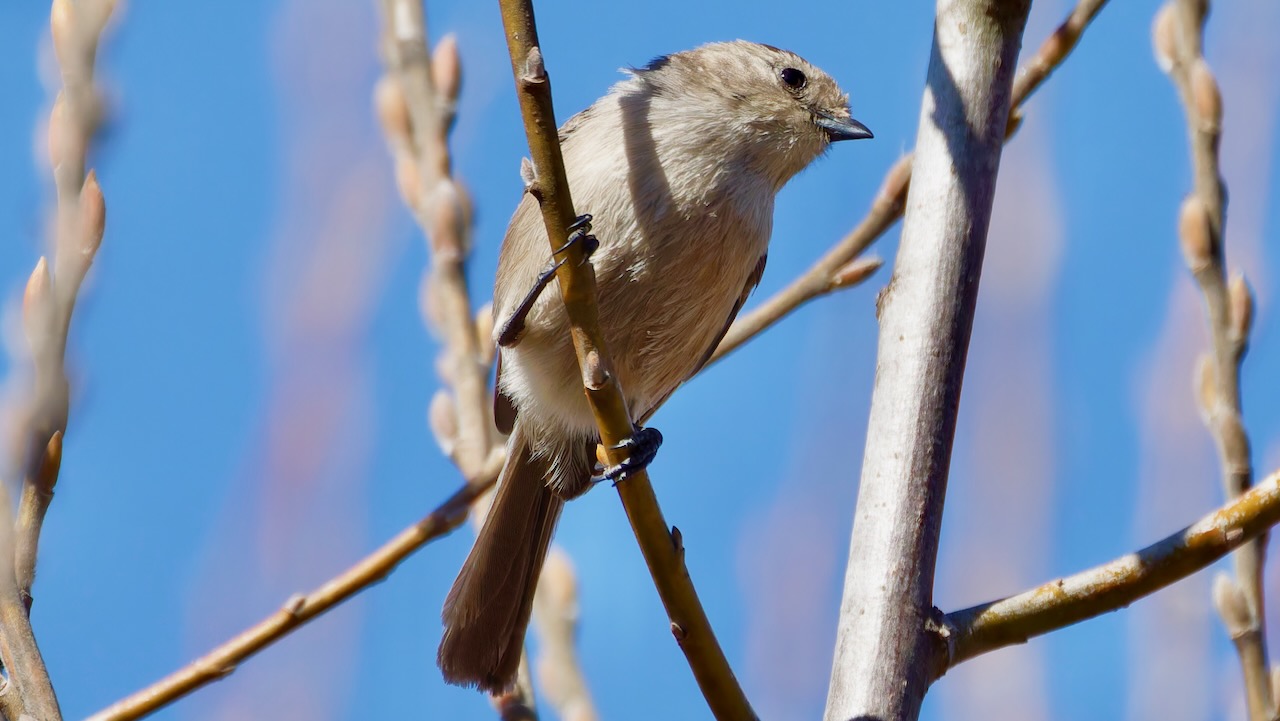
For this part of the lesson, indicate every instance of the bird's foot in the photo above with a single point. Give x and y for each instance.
(641, 446)
(579, 232)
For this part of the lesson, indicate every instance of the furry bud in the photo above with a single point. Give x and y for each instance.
(1195, 234)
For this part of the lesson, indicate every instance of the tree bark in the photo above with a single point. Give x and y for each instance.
(889, 646)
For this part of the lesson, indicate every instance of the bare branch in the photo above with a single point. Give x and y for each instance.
(884, 647)
(662, 550)
(416, 101)
(1114, 585)
(298, 610)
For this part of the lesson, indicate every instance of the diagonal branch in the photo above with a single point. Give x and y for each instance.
(1112, 586)
(660, 545)
(298, 610)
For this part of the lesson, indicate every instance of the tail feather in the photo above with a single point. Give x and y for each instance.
(487, 611)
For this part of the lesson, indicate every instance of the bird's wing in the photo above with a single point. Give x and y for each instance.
(753, 280)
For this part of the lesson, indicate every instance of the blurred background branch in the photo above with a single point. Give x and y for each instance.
(1178, 38)
(47, 306)
(417, 100)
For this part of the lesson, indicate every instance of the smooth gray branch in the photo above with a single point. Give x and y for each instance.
(884, 650)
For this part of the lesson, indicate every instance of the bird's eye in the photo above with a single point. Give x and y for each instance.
(793, 78)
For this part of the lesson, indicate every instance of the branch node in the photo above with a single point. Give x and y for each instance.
(1232, 606)
(50, 463)
(534, 71)
(942, 633)
(1196, 234)
(594, 375)
(854, 272)
(1206, 96)
(1240, 300)
(294, 604)
(528, 174)
(678, 632)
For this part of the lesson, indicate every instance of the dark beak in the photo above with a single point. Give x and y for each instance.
(842, 129)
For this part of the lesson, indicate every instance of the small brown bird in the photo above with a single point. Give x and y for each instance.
(679, 165)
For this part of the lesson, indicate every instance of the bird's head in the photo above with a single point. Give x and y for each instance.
(770, 103)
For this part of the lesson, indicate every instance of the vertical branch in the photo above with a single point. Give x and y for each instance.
(51, 293)
(416, 102)
(555, 615)
(660, 544)
(1178, 37)
(50, 298)
(888, 645)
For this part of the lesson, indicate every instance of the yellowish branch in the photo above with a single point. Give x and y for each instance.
(1112, 586)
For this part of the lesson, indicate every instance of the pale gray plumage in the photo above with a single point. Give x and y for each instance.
(679, 165)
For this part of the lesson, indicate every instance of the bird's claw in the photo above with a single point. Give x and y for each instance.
(579, 232)
(641, 446)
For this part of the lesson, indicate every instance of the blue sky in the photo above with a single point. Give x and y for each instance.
(251, 370)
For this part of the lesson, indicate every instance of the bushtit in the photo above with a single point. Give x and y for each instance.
(679, 165)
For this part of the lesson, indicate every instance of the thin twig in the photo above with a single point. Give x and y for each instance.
(1114, 585)
(298, 610)
(1178, 33)
(659, 544)
(884, 645)
(841, 267)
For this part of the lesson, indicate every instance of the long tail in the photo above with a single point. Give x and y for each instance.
(487, 610)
